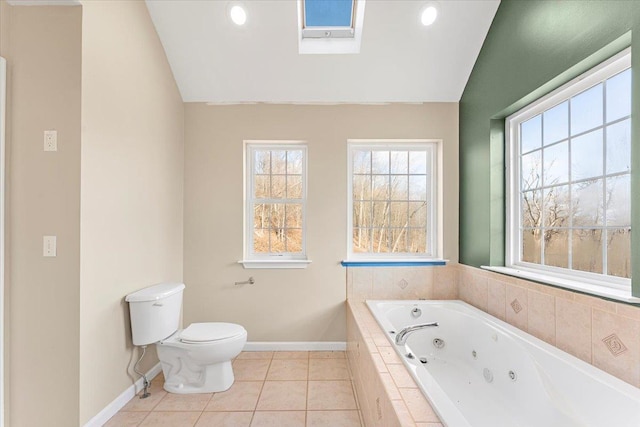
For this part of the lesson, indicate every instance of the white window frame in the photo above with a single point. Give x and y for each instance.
(272, 260)
(434, 196)
(594, 283)
(332, 44)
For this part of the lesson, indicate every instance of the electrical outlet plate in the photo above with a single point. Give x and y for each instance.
(49, 246)
(50, 140)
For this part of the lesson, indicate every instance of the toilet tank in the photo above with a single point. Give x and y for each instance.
(155, 312)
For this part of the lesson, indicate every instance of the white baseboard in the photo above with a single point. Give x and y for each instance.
(118, 403)
(296, 346)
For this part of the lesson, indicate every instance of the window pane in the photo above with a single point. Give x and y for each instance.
(417, 240)
(294, 240)
(418, 187)
(398, 240)
(587, 250)
(362, 214)
(398, 214)
(361, 240)
(532, 208)
(294, 216)
(362, 187)
(399, 187)
(381, 240)
(531, 246)
(261, 241)
(278, 240)
(294, 186)
(619, 252)
(619, 96)
(262, 162)
(380, 162)
(556, 123)
(418, 214)
(362, 162)
(586, 156)
(556, 207)
(586, 200)
(556, 164)
(278, 186)
(278, 218)
(261, 186)
(586, 110)
(328, 13)
(261, 216)
(279, 162)
(531, 134)
(531, 171)
(619, 147)
(418, 162)
(399, 162)
(556, 248)
(380, 214)
(294, 162)
(380, 187)
(618, 201)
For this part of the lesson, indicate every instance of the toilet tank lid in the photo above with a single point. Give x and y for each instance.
(155, 292)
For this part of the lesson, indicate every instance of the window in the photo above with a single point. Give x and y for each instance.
(275, 202)
(569, 179)
(392, 212)
(330, 26)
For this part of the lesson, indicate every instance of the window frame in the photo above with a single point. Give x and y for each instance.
(341, 40)
(272, 259)
(593, 282)
(434, 197)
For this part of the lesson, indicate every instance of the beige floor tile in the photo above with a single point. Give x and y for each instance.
(328, 369)
(290, 354)
(251, 355)
(333, 419)
(283, 395)
(250, 370)
(242, 396)
(126, 419)
(279, 419)
(327, 355)
(288, 369)
(331, 395)
(145, 405)
(171, 419)
(183, 402)
(225, 419)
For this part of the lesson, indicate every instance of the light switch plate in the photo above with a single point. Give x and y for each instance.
(50, 140)
(49, 246)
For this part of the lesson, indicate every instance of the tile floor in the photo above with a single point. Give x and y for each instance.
(278, 389)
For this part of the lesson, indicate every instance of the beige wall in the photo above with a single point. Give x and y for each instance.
(132, 180)
(289, 305)
(44, 60)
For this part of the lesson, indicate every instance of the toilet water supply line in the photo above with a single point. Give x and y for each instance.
(145, 383)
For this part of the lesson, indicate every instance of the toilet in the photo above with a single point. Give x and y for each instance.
(196, 359)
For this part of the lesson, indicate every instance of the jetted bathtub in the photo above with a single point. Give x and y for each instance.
(478, 371)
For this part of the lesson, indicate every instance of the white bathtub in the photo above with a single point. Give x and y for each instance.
(490, 374)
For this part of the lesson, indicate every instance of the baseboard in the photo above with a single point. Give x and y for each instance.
(118, 403)
(296, 346)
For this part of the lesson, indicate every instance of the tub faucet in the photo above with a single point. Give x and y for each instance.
(402, 336)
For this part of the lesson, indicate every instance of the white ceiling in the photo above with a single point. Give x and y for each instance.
(400, 60)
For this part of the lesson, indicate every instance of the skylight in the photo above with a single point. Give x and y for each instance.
(330, 26)
(328, 18)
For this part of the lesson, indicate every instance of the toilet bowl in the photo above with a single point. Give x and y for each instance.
(198, 359)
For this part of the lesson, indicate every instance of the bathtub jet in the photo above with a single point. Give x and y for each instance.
(402, 336)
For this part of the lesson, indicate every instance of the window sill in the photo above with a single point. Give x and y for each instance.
(587, 288)
(394, 263)
(268, 263)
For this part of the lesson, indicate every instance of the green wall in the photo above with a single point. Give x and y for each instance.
(533, 47)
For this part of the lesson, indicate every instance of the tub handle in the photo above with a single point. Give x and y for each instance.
(246, 282)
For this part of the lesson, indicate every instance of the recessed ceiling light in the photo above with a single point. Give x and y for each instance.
(429, 15)
(238, 14)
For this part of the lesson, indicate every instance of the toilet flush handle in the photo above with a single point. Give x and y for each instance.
(158, 304)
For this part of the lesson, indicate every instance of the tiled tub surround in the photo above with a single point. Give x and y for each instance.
(603, 333)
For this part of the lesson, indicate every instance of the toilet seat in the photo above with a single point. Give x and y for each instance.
(198, 333)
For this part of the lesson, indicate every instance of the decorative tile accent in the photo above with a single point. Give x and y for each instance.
(614, 344)
(403, 284)
(515, 305)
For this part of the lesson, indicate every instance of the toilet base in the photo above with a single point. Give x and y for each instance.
(214, 378)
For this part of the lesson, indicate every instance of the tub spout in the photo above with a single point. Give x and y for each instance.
(401, 337)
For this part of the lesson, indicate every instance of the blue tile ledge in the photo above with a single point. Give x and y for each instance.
(394, 263)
